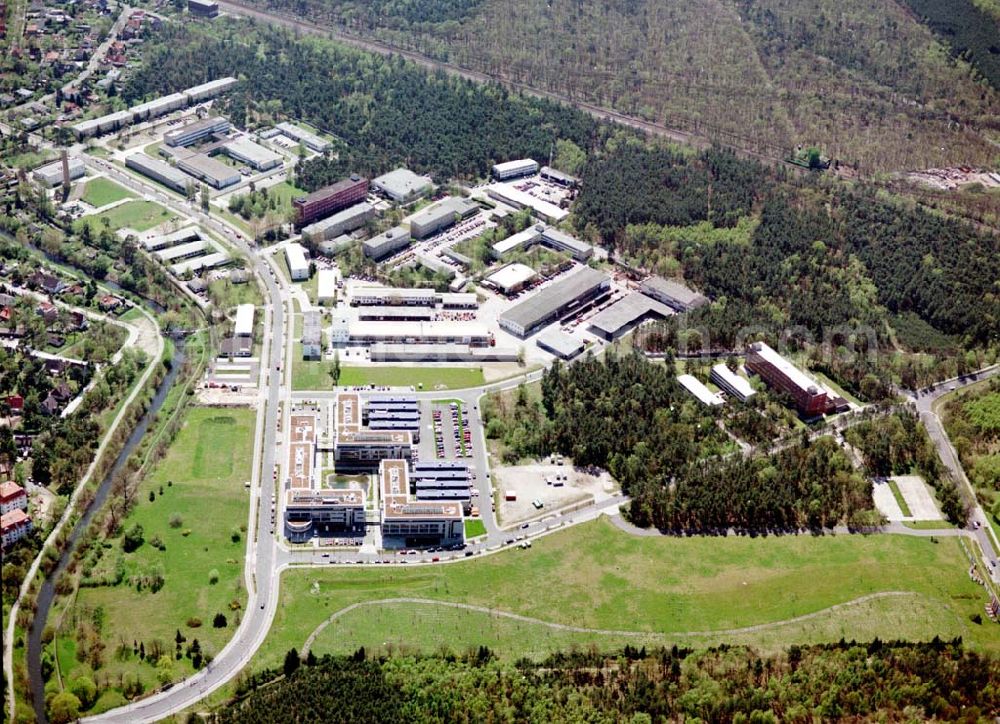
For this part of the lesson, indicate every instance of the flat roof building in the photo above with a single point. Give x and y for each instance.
(51, 174)
(341, 222)
(243, 326)
(310, 513)
(415, 522)
(326, 285)
(244, 150)
(156, 243)
(695, 387)
(200, 263)
(440, 216)
(203, 8)
(554, 301)
(558, 177)
(205, 168)
(236, 346)
(517, 242)
(473, 334)
(459, 300)
(159, 171)
(312, 334)
(298, 266)
(523, 200)
(182, 251)
(402, 185)
(386, 244)
(357, 449)
(158, 107)
(196, 131)
(327, 200)
(515, 169)
(561, 241)
(732, 383)
(779, 373)
(198, 93)
(626, 314)
(673, 294)
(393, 296)
(512, 278)
(306, 137)
(386, 313)
(560, 344)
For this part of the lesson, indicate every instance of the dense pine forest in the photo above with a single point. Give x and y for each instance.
(892, 681)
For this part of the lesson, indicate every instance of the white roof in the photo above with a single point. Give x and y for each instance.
(387, 292)
(515, 165)
(521, 198)
(514, 241)
(244, 320)
(512, 275)
(295, 255)
(417, 330)
(799, 378)
(182, 250)
(245, 147)
(401, 182)
(740, 384)
(696, 388)
(202, 262)
(326, 283)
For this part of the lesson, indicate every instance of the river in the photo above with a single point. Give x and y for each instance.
(46, 595)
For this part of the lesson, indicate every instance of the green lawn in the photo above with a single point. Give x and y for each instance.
(900, 500)
(207, 464)
(138, 215)
(315, 375)
(474, 527)
(596, 576)
(101, 191)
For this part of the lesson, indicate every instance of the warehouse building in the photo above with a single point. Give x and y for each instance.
(674, 294)
(243, 326)
(626, 314)
(402, 186)
(555, 301)
(307, 138)
(324, 513)
(386, 244)
(512, 278)
(440, 216)
(181, 236)
(517, 242)
(523, 200)
(562, 345)
(201, 263)
(312, 334)
(320, 204)
(810, 399)
(732, 383)
(298, 265)
(515, 169)
(326, 286)
(159, 171)
(442, 332)
(341, 222)
(407, 522)
(197, 131)
(205, 168)
(558, 177)
(704, 395)
(244, 150)
(203, 8)
(561, 241)
(459, 300)
(51, 174)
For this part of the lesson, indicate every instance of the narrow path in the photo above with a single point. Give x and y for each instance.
(310, 640)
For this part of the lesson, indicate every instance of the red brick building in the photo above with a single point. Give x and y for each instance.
(810, 399)
(322, 203)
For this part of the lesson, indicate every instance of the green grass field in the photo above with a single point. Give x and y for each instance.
(138, 215)
(313, 375)
(208, 463)
(474, 527)
(595, 576)
(900, 500)
(101, 191)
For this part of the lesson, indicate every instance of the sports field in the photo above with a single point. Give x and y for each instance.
(101, 191)
(138, 215)
(683, 590)
(207, 464)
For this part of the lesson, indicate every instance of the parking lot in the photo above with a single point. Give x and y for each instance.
(452, 435)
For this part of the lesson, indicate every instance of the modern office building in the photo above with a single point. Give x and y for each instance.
(341, 222)
(298, 265)
(402, 185)
(358, 449)
(674, 294)
(51, 174)
(196, 131)
(203, 8)
(515, 169)
(558, 177)
(409, 522)
(205, 168)
(704, 395)
(243, 326)
(561, 241)
(386, 244)
(383, 412)
(159, 171)
(440, 216)
(324, 513)
(541, 208)
(326, 201)
(810, 399)
(554, 301)
(307, 138)
(732, 383)
(244, 150)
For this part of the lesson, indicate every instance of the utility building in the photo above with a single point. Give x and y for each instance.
(554, 301)
(252, 154)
